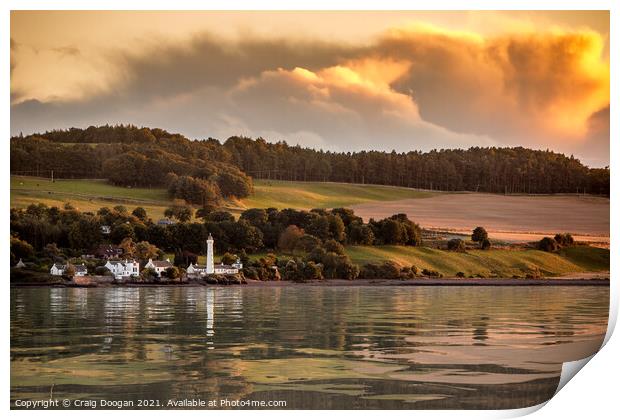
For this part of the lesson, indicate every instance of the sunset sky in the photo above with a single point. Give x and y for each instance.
(331, 80)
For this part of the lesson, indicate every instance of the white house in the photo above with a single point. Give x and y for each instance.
(58, 269)
(81, 270)
(210, 267)
(105, 229)
(158, 266)
(20, 264)
(120, 269)
(196, 270)
(166, 222)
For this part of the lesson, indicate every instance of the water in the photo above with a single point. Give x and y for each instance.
(313, 347)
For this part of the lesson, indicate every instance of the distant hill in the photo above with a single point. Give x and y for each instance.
(144, 157)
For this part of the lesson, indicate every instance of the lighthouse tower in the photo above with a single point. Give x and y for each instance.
(210, 269)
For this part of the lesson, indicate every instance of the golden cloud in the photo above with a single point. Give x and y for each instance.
(415, 87)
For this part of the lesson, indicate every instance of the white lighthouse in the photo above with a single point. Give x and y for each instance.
(210, 266)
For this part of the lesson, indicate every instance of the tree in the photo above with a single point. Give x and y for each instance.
(360, 234)
(194, 190)
(85, 233)
(335, 247)
(479, 234)
(204, 211)
(21, 249)
(120, 231)
(52, 251)
(392, 232)
(564, 239)
(288, 239)
(140, 213)
(306, 243)
(182, 213)
(456, 244)
(172, 272)
(548, 244)
(229, 258)
(129, 247)
(144, 250)
(148, 274)
(69, 271)
(122, 210)
(486, 244)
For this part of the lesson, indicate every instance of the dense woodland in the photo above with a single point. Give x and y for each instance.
(203, 171)
(42, 235)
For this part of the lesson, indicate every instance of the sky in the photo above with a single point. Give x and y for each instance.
(342, 81)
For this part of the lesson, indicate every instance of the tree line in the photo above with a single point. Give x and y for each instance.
(128, 155)
(314, 238)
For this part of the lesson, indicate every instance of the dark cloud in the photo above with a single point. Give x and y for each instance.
(456, 90)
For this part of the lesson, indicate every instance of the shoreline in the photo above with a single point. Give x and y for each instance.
(452, 282)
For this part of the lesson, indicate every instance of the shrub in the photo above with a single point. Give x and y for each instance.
(460, 274)
(335, 247)
(479, 234)
(533, 273)
(229, 258)
(102, 271)
(431, 273)
(564, 239)
(148, 274)
(486, 244)
(456, 244)
(548, 244)
(385, 270)
(251, 273)
(173, 272)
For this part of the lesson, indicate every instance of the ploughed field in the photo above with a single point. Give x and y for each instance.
(514, 218)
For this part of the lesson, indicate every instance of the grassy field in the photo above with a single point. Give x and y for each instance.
(308, 195)
(86, 195)
(492, 263)
(90, 195)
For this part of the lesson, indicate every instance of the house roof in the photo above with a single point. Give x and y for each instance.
(59, 266)
(121, 262)
(80, 267)
(108, 249)
(224, 266)
(161, 264)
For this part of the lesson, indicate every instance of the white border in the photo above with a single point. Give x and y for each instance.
(591, 395)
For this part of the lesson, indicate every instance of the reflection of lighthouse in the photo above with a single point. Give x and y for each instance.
(210, 316)
(210, 269)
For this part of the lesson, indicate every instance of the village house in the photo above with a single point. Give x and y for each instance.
(59, 269)
(166, 222)
(158, 266)
(120, 269)
(20, 264)
(210, 267)
(107, 252)
(105, 229)
(81, 270)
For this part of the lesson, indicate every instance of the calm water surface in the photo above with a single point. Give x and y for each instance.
(313, 347)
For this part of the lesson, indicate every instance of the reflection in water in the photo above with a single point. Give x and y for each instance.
(314, 347)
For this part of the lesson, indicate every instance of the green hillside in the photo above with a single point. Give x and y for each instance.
(90, 195)
(308, 195)
(495, 262)
(86, 195)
